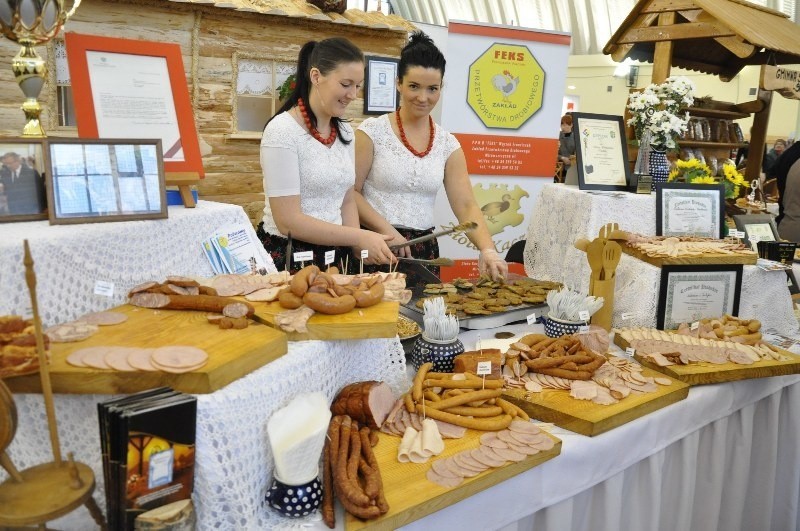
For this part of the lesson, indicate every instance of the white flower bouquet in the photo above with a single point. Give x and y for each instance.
(657, 109)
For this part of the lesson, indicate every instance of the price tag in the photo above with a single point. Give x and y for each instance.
(627, 316)
(304, 256)
(329, 257)
(531, 318)
(484, 368)
(630, 351)
(364, 253)
(104, 288)
(584, 328)
(695, 325)
(738, 234)
(583, 316)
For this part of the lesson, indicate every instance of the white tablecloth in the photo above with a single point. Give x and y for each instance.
(70, 259)
(565, 214)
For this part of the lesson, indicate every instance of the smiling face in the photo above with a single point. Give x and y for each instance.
(332, 92)
(420, 90)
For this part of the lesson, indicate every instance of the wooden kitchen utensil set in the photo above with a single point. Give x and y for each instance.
(603, 254)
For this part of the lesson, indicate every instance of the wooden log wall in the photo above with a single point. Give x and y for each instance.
(209, 37)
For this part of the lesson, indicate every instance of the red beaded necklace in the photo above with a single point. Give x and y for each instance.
(313, 130)
(408, 146)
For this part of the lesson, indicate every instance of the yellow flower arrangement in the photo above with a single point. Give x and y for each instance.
(695, 172)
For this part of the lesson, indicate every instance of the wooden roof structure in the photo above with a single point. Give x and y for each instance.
(303, 10)
(718, 37)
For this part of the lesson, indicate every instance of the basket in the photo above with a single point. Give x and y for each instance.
(556, 327)
(440, 353)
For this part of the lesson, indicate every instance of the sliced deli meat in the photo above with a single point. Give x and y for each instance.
(104, 318)
(178, 357)
(368, 403)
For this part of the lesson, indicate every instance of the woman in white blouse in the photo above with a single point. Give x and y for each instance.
(307, 157)
(403, 158)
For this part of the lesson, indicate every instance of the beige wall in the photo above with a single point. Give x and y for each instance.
(591, 75)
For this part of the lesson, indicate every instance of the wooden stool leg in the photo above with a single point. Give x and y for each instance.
(97, 514)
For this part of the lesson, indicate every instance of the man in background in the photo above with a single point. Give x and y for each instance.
(23, 186)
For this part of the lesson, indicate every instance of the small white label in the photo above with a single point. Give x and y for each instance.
(630, 351)
(531, 318)
(583, 328)
(104, 288)
(737, 234)
(627, 316)
(484, 368)
(583, 316)
(329, 257)
(695, 325)
(364, 253)
(304, 256)
(27, 311)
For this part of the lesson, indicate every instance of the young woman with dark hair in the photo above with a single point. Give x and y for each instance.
(307, 162)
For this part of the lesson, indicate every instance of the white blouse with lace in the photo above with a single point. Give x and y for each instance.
(400, 186)
(294, 163)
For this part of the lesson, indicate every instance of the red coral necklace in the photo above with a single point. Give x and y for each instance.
(313, 130)
(408, 146)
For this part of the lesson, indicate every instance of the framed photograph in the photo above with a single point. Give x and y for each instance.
(134, 89)
(380, 89)
(22, 180)
(761, 227)
(691, 292)
(91, 180)
(684, 209)
(601, 152)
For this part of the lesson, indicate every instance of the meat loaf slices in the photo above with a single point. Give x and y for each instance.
(368, 403)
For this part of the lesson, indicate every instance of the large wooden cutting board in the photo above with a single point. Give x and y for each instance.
(588, 418)
(411, 496)
(232, 354)
(707, 258)
(710, 373)
(361, 323)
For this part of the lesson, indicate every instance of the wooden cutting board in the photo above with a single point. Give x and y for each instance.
(707, 258)
(586, 417)
(710, 373)
(232, 354)
(411, 496)
(361, 323)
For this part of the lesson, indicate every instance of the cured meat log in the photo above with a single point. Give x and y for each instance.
(368, 403)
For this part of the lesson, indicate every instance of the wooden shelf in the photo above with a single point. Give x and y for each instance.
(715, 113)
(711, 145)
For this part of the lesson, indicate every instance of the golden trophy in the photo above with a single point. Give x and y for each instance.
(32, 22)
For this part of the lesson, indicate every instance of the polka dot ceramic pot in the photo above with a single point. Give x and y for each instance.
(295, 500)
(557, 327)
(440, 353)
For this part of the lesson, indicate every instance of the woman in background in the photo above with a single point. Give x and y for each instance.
(307, 155)
(404, 158)
(566, 142)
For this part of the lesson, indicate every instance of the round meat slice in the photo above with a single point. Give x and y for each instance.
(104, 318)
(96, 358)
(508, 453)
(525, 439)
(176, 370)
(524, 427)
(178, 356)
(72, 331)
(445, 481)
(489, 460)
(465, 461)
(507, 437)
(490, 452)
(440, 467)
(524, 449)
(459, 470)
(544, 443)
(117, 359)
(76, 357)
(139, 358)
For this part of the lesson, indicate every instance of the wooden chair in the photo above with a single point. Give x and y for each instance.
(559, 175)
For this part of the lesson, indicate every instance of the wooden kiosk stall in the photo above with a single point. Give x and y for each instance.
(717, 37)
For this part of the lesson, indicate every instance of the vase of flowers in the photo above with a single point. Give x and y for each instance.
(656, 109)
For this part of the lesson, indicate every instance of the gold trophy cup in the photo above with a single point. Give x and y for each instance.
(32, 22)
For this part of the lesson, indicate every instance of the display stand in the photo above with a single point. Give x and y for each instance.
(183, 180)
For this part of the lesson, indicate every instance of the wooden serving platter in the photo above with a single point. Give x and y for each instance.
(232, 354)
(361, 323)
(707, 258)
(588, 418)
(411, 496)
(710, 373)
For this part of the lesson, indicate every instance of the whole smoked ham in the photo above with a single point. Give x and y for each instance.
(368, 403)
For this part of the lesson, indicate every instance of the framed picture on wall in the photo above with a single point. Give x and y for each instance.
(22, 180)
(684, 209)
(380, 89)
(601, 152)
(691, 292)
(90, 180)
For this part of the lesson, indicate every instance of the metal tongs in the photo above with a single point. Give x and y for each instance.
(464, 227)
(440, 262)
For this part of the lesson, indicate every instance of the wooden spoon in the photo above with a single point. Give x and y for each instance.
(594, 254)
(612, 252)
(582, 244)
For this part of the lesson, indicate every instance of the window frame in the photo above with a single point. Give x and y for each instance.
(236, 57)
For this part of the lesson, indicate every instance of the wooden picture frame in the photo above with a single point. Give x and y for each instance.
(23, 164)
(760, 225)
(125, 109)
(91, 180)
(691, 292)
(601, 152)
(380, 85)
(684, 209)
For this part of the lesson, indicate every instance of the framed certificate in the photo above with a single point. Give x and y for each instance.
(691, 292)
(690, 209)
(757, 228)
(600, 151)
(22, 174)
(380, 90)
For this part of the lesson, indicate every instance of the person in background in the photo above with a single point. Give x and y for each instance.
(772, 157)
(307, 162)
(403, 159)
(566, 142)
(787, 173)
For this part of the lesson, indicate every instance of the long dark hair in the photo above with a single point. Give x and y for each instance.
(325, 55)
(420, 51)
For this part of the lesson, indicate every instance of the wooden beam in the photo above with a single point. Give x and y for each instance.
(662, 6)
(674, 32)
(758, 136)
(662, 56)
(750, 106)
(733, 44)
(613, 49)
